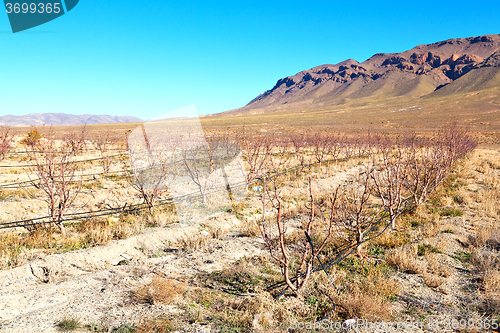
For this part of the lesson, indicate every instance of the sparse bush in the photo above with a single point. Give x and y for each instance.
(296, 260)
(57, 176)
(32, 138)
(103, 143)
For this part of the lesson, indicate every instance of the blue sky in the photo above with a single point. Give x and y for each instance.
(144, 58)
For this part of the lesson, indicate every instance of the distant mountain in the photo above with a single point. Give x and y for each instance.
(56, 119)
(443, 68)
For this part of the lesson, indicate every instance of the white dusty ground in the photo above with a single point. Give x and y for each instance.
(90, 285)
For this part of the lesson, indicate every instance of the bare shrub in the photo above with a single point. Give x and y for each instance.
(320, 226)
(320, 145)
(56, 173)
(299, 145)
(257, 151)
(76, 141)
(103, 143)
(6, 139)
(389, 177)
(355, 216)
(152, 173)
(159, 290)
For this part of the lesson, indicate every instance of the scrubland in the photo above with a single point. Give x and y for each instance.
(373, 227)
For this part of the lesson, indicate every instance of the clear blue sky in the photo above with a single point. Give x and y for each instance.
(144, 58)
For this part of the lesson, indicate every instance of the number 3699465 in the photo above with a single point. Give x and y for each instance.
(33, 8)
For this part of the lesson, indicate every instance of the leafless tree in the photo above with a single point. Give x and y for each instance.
(77, 140)
(257, 151)
(296, 260)
(299, 145)
(56, 172)
(200, 164)
(103, 143)
(320, 146)
(153, 167)
(355, 215)
(389, 176)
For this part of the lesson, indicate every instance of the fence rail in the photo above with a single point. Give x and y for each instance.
(135, 207)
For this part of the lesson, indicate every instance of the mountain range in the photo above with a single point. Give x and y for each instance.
(56, 119)
(440, 69)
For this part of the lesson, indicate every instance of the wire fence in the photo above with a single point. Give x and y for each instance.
(169, 201)
(77, 162)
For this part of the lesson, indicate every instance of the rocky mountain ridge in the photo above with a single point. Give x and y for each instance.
(416, 72)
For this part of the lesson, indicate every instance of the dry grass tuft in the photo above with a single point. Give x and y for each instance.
(435, 267)
(392, 239)
(481, 237)
(193, 243)
(158, 325)
(160, 290)
(361, 305)
(250, 229)
(219, 233)
(432, 280)
(406, 260)
(486, 259)
(491, 281)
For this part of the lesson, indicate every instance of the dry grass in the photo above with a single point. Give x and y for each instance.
(17, 248)
(481, 237)
(437, 268)
(362, 305)
(158, 325)
(219, 233)
(193, 243)
(432, 280)
(159, 290)
(491, 281)
(392, 239)
(250, 229)
(6, 193)
(486, 259)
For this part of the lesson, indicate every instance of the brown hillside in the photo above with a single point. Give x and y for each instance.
(413, 73)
